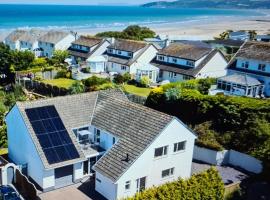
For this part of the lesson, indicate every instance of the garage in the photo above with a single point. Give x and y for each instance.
(63, 176)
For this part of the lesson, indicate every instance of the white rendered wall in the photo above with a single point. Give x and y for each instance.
(105, 187)
(65, 43)
(21, 149)
(100, 49)
(147, 165)
(253, 64)
(77, 171)
(115, 67)
(216, 67)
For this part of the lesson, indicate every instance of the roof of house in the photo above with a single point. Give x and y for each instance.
(127, 45)
(185, 70)
(255, 50)
(136, 126)
(228, 42)
(15, 35)
(87, 41)
(53, 36)
(32, 35)
(122, 60)
(238, 33)
(185, 51)
(241, 79)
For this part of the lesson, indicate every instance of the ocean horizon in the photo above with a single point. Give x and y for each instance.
(13, 16)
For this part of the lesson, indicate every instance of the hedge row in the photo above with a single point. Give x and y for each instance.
(206, 185)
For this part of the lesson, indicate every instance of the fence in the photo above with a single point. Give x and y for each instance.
(43, 88)
(24, 187)
(228, 157)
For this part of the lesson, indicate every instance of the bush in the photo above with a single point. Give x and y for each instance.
(145, 81)
(95, 81)
(76, 88)
(63, 73)
(206, 185)
(105, 86)
(120, 79)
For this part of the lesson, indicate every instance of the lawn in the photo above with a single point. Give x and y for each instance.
(60, 82)
(137, 90)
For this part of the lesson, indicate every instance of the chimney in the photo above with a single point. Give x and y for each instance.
(127, 158)
(112, 39)
(167, 42)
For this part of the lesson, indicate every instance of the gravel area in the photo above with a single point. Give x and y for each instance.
(229, 174)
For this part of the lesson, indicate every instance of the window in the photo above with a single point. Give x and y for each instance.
(262, 67)
(190, 63)
(97, 136)
(167, 172)
(110, 50)
(127, 185)
(180, 146)
(162, 151)
(119, 52)
(161, 58)
(98, 180)
(129, 54)
(123, 68)
(113, 140)
(245, 64)
(160, 73)
(172, 74)
(185, 77)
(174, 60)
(52, 45)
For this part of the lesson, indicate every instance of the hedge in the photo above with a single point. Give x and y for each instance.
(207, 185)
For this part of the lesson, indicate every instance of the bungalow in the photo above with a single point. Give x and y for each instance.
(126, 146)
(126, 56)
(54, 40)
(87, 47)
(179, 62)
(12, 40)
(253, 60)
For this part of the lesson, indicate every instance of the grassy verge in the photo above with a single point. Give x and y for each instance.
(60, 82)
(132, 89)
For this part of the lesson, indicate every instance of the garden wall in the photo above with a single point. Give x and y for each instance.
(228, 157)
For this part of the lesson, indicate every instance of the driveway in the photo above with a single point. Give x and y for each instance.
(85, 190)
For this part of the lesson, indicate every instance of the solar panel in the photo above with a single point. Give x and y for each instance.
(52, 134)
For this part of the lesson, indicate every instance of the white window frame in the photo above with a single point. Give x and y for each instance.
(176, 146)
(190, 63)
(123, 68)
(164, 151)
(127, 185)
(262, 67)
(169, 174)
(161, 58)
(119, 52)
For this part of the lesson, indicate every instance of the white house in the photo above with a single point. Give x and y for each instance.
(13, 39)
(54, 40)
(126, 56)
(253, 60)
(127, 146)
(87, 47)
(180, 61)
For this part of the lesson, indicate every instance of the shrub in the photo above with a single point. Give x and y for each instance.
(95, 81)
(145, 81)
(105, 86)
(63, 73)
(76, 88)
(120, 79)
(206, 185)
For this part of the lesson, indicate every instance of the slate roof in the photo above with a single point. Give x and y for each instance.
(87, 41)
(136, 126)
(255, 50)
(53, 37)
(241, 79)
(122, 60)
(15, 35)
(32, 35)
(180, 69)
(127, 45)
(185, 51)
(228, 42)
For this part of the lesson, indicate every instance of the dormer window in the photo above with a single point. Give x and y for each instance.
(129, 54)
(262, 67)
(161, 58)
(119, 52)
(174, 60)
(245, 65)
(110, 51)
(190, 63)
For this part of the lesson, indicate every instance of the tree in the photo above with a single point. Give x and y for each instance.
(22, 60)
(145, 81)
(6, 61)
(59, 57)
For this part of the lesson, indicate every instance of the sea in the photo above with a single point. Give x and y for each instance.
(80, 17)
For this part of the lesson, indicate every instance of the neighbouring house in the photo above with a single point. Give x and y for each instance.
(126, 56)
(127, 147)
(239, 35)
(228, 46)
(54, 40)
(252, 60)
(179, 62)
(13, 39)
(87, 47)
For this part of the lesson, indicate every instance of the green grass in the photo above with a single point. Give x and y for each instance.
(132, 89)
(60, 82)
(3, 151)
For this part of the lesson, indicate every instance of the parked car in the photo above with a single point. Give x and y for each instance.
(8, 193)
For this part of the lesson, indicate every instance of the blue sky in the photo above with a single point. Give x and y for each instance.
(78, 2)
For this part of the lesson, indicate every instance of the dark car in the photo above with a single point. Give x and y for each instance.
(8, 193)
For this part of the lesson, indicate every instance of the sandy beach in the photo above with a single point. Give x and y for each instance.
(199, 30)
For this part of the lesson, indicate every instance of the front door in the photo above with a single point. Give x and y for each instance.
(86, 167)
(141, 183)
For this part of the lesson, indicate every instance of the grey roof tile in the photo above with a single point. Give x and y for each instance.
(53, 36)
(241, 79)
(127, 45)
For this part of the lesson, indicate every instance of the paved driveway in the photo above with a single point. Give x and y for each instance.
(81, 191)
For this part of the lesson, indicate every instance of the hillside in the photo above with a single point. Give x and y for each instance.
(225, 4)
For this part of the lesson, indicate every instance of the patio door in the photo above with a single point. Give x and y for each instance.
(141, 183)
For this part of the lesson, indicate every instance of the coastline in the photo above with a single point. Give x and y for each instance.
(202, 28)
